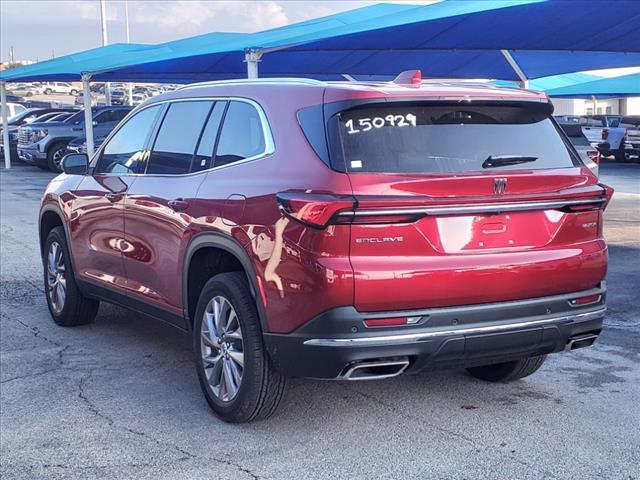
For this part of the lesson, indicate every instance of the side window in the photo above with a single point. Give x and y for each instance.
(109, 116)
(102, 117)
(176, 142)
(241, 135)
(124, 153)
(120, 114)
(202, 160)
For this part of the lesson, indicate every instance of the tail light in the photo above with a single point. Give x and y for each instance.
(608, 194)
(605, 133)
(320, 210)
(594, 155)
(314, 210)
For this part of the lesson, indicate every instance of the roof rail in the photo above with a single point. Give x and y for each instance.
(241, 81)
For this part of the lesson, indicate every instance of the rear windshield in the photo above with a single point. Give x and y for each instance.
(415, 138)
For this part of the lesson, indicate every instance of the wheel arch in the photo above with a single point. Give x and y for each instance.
(212, 240)
(51, 216)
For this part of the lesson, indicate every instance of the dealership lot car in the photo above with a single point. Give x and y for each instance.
(44, 144)
(335, 230)
(26, 117)
(59, 87)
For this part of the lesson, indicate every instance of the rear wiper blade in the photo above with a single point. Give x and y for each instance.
(501, 160)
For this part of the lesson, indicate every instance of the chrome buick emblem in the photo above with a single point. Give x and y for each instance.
(499, 186)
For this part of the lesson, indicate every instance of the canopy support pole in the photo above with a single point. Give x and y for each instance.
(251, 57)
(88, 117)
(5, 125)
(126, 21)
(594, 104)
(348, 77)
(524, 81)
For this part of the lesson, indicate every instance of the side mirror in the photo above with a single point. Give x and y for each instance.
(75, 164)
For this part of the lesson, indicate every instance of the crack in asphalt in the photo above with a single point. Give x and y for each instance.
(58, 366)
(82, 394)
(186, 455)
(395, 410)
(34, 330)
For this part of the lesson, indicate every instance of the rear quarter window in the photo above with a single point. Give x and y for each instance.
(242, 134)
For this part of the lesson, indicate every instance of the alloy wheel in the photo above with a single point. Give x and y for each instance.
(56, 277)
(222, 349)
(58, 155)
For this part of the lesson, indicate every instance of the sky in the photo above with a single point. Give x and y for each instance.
(38, 29)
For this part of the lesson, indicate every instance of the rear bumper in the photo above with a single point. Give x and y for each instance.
(460, 336)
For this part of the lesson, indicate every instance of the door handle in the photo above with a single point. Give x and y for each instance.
(178, 205)
(114, 197)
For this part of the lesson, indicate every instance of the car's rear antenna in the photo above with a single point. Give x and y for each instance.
(412, 78)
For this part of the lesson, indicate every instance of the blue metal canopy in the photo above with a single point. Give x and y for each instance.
(615, 87)
(71, 67)
(556, 81)
(453, 38)
(448, 39)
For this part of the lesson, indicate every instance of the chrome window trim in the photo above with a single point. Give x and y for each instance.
(408, 338)
(269, 143)
(469, 209)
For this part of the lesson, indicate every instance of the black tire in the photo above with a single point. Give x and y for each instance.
(48, 91)
(620, 155)
(508, 371)
(73, 92)
(261, 387)
(54, 162)
(77, 309)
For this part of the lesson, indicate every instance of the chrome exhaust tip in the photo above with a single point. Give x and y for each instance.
(375, 370)
(581, 341)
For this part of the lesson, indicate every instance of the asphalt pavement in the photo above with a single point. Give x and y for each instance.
(119, 399)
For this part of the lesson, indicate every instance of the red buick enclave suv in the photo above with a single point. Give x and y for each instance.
(335, 230)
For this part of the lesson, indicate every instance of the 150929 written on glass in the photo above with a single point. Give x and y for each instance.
(391, 120)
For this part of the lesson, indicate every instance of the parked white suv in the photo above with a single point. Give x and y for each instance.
(60, 87)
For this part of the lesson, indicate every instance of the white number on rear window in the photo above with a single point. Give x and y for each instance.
(366, 124)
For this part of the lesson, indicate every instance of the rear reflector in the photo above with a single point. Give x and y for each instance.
(385, 322)
(585, 300)
(605, 133)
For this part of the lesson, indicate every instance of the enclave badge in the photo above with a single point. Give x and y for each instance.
(499, 186)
